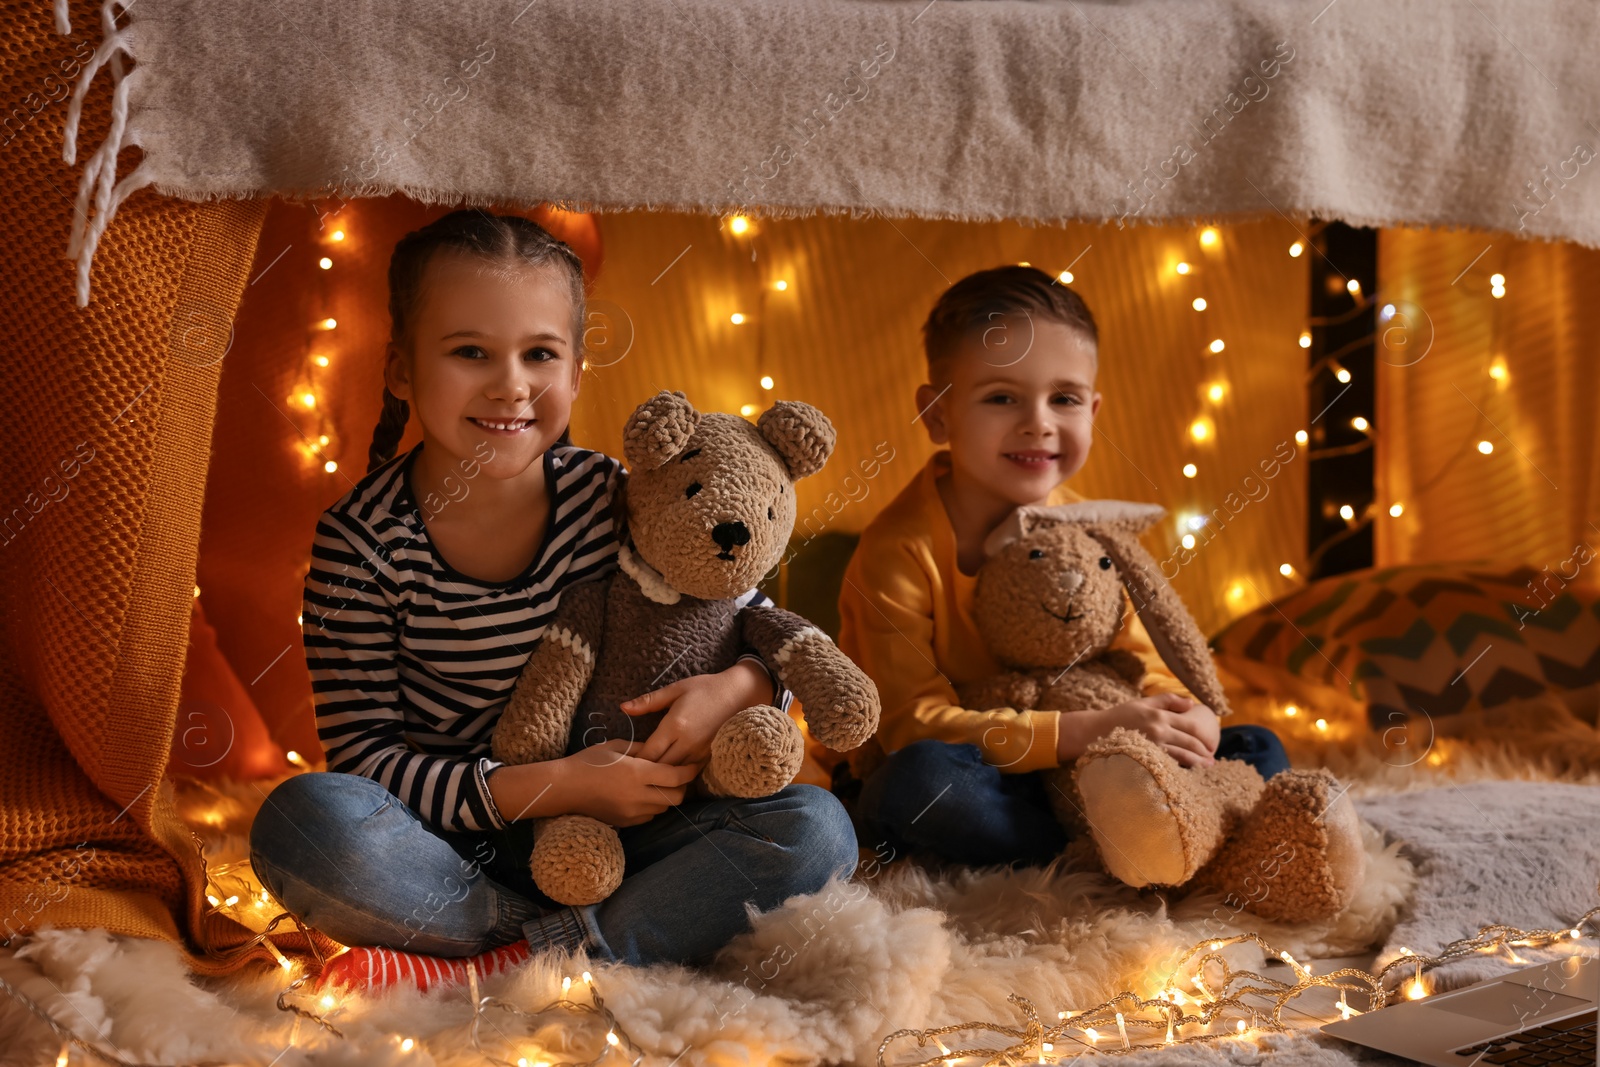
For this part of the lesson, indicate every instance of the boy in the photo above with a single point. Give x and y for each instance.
(1012, 357)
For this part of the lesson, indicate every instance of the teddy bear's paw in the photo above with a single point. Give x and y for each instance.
(755, 753)
(1154, 822)
(840, 701)
(576, 860)
(1299, 856)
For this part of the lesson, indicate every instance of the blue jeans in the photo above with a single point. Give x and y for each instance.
(942, 798)
(347, 857)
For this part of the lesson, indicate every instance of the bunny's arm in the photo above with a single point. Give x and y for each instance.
(840, 702)
(538, 719)
(1012, 689)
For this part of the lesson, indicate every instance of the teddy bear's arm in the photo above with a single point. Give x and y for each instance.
(538, 719)
(841, 703)
(1013, 689)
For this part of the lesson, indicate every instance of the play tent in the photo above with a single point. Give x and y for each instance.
(158, 439)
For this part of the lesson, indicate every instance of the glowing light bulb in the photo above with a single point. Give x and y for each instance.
(1209, 236)
(1286, 569)
(1065, 277)
(1295, 249)
(1498, 291)
(322, 440)
(1291, 710)
(1486, 447)
(612, 1039)
(337, 235)
(566, 984)
(1301, 437)
(329, 324)
(1200, 429)
(197, 590)
(1354, 286)
(1321, 724)
(328, 1001)
(1305, 339)
(766, 381)
(1217, 345)
(1023, 263)
(1360, 423)
(1416, 990)
(780, 285)
(330, 466)
(587, 977)
(321, 361)
(1182, 268)
(214, 901)
(231, 901)
(737, 318)
(1240, 1026)
(1045, 1046)
(1236, 591)
(324, 262)
(1093, 1035)
(1346, 512)
(1188, 540)
(407, 1045)
(739, 224)
(1497, 369)
(299, 620)
(1199, 303)
(1343, 376)
(308, 399)
(747, 410)
(1497, 279)
(1216, 391)
(1215, 945)
(1190, 470)
(1574, 932)
(1396, 510)
(64, 1055)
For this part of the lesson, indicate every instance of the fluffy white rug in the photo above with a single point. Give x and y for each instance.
(826, 977)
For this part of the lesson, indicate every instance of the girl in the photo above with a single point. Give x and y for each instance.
(430, 584)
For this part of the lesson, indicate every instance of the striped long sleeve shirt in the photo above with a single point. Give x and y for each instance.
(411, 661)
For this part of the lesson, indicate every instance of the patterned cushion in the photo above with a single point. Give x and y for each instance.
(1439, 639)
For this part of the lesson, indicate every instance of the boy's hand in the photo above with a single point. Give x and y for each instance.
(1186, 728)
(696, 708)
(610, 782)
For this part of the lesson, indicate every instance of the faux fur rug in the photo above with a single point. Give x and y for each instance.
(825, 978)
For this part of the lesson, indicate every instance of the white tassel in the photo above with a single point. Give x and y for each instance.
(63, 21)
(100, 169)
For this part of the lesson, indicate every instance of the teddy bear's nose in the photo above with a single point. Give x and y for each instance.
(1069, 581)
(728, 534)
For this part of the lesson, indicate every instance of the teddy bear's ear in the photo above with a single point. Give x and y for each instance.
(1118, 514)
(802, 435)
(1173, 631)
(658, 429)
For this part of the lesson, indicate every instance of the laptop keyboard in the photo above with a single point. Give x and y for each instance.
(1568, 1042)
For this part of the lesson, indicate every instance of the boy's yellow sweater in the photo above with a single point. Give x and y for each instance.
(906, 617)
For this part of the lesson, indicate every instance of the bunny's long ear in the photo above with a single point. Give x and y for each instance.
(1172, 629)
(1024, 520)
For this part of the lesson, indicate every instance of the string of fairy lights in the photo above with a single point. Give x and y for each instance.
(306, 396)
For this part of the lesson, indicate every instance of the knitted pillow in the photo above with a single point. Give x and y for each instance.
(1387, 645)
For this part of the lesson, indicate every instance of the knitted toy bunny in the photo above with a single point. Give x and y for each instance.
(709, 506)
(1049, 601)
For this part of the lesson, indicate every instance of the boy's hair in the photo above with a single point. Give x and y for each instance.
(978, 299)
(497, 238)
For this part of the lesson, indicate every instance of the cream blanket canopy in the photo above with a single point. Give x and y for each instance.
(1477, 113)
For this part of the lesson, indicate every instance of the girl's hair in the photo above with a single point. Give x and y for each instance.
(502, 238)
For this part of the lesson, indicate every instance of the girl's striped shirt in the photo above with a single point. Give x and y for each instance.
(411, 661)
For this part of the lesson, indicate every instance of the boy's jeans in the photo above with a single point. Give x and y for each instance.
(347, 857)
(943, 798)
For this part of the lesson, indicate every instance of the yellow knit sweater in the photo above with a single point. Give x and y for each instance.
(906, 617)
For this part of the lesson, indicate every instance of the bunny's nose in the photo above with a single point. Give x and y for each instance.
(728, 534)
(1069, 581)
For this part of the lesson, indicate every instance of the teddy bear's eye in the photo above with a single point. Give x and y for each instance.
(1105, 563)
(694, 487)
(1037, 553)
(769, 512)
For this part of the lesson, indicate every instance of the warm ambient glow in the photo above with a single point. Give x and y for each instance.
(1416, 990)
(766, 381)
(739, 224)
(736, 318)
(1486, 447)
(747, 410)
(1497, 369)
(1199, 303)
(1190, 470)
(780, 285)
(1200, 429)
(324, 262)
(1065, 277)
(1296, 248)
(1217, 345)
(1396, 510)
(1216, 391)
(1360, 423)
(328, 324)
(1182, 268)
(1209, 236)
(1286, 569)
(1236, 591)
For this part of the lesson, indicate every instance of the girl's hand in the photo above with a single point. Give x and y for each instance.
(1186, 728)
(610, 782)
(696, 708)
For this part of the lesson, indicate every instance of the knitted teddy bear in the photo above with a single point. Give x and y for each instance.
(706, 511)
(1049, 601)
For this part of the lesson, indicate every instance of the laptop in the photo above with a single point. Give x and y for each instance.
(1542, 1015)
